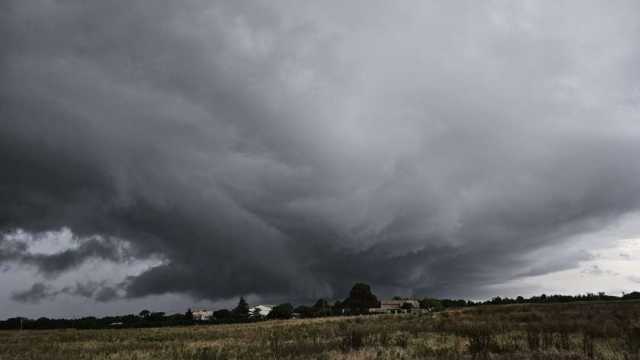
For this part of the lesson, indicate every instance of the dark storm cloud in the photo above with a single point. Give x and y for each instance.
(40, 291)
(289, 149)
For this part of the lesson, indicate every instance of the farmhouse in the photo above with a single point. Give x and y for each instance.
(397, 307)
(264, 309)
(202, 315)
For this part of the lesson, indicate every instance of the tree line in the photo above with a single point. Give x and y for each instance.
(359, 301)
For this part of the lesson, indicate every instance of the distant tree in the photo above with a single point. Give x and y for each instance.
(282, 311)
(360, 299)
(306, 311)
(144, 313)
(188, 315)
(222, 314)
(407, 306)
(322, 308)
(449, 303)
(431, 304)
(337, 308)
(156, 316)
(242, 309)
(632, 296)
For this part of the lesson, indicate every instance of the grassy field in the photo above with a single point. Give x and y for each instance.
(554, 331)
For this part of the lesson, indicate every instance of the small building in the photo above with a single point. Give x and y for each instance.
(202, 315)
(404, 306)
(263, 309)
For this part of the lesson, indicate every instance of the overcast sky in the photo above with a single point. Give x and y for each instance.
(163, 154)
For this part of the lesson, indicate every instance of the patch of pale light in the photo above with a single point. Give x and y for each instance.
(612, 270)
(44, 243)
(93, 270)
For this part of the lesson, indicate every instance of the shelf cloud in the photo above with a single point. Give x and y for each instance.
(287, 150)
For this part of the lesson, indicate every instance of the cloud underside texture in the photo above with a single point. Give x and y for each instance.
(289, 149)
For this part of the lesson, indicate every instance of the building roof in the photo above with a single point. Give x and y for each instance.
(397, 304)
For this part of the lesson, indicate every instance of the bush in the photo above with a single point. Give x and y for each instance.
(481, 339)
(282, 311)
(353, 338)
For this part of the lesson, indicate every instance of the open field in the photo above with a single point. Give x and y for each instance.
(553, 331)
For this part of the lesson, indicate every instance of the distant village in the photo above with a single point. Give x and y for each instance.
(263, 311)
(360, 301)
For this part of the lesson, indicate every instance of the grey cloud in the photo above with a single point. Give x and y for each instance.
(35, 294)
(284, 150)
(69, 259)
(596, 270)
(38, 292)
(107, 294)
(16, 250)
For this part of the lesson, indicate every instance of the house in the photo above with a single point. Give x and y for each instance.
(264, 309)
(403, 306)
(202, 315)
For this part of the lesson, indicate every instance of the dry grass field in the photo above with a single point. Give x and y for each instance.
(554, 331)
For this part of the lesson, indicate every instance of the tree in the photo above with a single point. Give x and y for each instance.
(361, 299)
(407, 306)
(431, 304)
(188, 315)
(322, 308)
(282, 311)
(337, 308)
(242, 310)
(156, 316)
(145, 313)
(632, 296)
(306, 311)
(222, 314)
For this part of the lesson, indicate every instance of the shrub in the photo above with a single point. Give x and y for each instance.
(481, 339)
(353, 339)
(533, 338)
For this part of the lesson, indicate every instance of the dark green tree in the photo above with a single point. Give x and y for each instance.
(156, 316)
(360, 299)
(407, 306)
(282, 311)
(222, 314)
(337, 308)
(322, 308)
(431, 304)
(242, 309)
(306, 311)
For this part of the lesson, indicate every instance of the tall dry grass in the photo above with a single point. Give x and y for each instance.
(562, 331)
